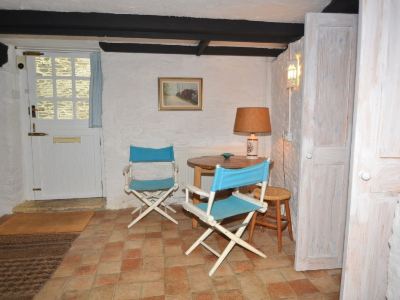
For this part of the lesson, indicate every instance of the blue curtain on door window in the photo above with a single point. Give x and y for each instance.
(96, 90)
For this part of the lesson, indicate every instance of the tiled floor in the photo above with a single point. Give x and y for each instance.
(108, 261)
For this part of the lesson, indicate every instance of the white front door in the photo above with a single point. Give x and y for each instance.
(328, 94)
(66, 153)
(375, 176)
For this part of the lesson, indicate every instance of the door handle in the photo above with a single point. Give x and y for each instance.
(365, 175)
(308, 155)
(37, 134)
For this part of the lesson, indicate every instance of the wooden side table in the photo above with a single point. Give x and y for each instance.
(207, 164)
(276, 197)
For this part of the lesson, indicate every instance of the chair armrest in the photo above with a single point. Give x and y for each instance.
(126, 170)
(264, 205)
(197, 191)
(127, 175)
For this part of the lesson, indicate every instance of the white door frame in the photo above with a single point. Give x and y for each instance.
(27, 150)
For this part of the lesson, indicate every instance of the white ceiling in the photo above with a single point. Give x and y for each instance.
(258, 10)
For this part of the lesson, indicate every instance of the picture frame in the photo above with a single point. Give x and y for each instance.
(180, 93)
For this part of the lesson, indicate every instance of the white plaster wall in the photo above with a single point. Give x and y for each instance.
(393, 291)
(11, 178)
(131, 116)
(286, 154)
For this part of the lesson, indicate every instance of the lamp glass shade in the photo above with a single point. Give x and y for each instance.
(252, 120)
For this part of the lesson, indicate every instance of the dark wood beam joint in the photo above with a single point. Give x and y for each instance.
(202, 46)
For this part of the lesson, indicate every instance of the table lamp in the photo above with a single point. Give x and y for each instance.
(252, 120)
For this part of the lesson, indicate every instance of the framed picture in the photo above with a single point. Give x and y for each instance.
(180, 93)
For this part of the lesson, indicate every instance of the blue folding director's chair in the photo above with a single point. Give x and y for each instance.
(214, 212)
(152, 192)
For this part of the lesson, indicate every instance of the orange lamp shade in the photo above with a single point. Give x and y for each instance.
(252, 120)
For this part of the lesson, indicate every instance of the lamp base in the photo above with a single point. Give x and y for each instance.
(252, 147)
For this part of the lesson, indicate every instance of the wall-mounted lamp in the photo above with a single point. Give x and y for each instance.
(293, 72)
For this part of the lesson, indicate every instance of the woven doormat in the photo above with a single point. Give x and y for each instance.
(28, 261)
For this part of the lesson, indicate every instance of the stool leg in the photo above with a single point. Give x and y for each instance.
(252, 225)
(289, 219)
(279, 224)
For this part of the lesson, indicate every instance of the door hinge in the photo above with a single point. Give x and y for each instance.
(36, 189)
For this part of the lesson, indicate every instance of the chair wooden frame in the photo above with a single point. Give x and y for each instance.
(151, 199)
(208, 219)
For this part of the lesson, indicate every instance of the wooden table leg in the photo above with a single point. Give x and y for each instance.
(289, 219)
(196, 183)
(279, 225)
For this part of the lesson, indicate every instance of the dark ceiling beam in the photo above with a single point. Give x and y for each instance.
(342, 6)
(201, 47)
(190, 50)
(142, 26)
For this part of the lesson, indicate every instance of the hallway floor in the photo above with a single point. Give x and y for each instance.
(108, 261)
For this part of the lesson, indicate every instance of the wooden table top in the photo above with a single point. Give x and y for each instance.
(234, 162)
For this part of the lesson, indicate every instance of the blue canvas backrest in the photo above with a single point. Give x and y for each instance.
(232, 178)
(142, 154)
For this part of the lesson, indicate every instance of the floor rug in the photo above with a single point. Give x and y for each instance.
(28, 261)
(33, 223)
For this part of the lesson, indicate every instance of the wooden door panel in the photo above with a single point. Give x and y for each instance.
(375, 179)
(333, 95)
(329, 66)
(327, 200)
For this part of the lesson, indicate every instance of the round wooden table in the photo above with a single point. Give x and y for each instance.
(207, 164)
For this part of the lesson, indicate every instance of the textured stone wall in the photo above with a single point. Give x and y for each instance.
(393, 291)
(11, 178)
(286, 154)
(131, 116)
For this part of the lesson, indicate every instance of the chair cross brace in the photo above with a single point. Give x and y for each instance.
(153, 202)
(234, 237)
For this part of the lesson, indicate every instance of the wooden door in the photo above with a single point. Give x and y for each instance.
(328, 94)
(66, 153)
(375, 174)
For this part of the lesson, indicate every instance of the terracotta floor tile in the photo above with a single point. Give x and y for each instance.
(139, 277)
(241, 266)
(326, 284)
(303, 287)
(132, 253)
(111, 255)
(101, 293)
(109, 267)
(270, 276)
(251, 286)
(204, 296)
(150, 235)
(127, 291)
(152, 289)
(79, 283)
(106, 279)
(291, 274)
(114, 245)
(75, 295)
(86, 270)
(199, 279)
(316, 274)
(176, 281)
(225, 283)
(280, 290)
(230, 295)
(131, 264)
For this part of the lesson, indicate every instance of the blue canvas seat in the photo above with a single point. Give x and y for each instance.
(212, 213)
(152, 192)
